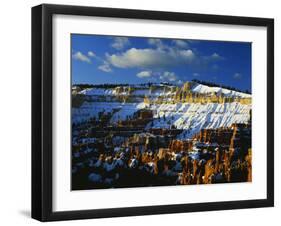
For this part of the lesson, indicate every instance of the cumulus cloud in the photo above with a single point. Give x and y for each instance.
(105, 67)
(144, 74)
(196, 74)
(237, 76)
(120, 43)
(161, 45)
(168, 76)
(156, 42)
(216, 56)
(164, 76)
(180, 43)
(91, 54)
(81, 57)
(212, 59)
(150, 58)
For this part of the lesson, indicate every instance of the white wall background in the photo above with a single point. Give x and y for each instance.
(15, 111)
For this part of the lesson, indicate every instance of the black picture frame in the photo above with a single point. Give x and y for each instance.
(42, 111)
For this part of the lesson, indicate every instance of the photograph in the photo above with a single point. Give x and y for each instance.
(159, 112)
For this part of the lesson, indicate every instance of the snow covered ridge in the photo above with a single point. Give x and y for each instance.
(190, 117)
(158, 90)
(199, 88)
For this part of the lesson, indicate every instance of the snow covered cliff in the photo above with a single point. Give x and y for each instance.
(191, 107)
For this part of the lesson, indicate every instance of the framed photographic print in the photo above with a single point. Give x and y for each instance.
(146, 112)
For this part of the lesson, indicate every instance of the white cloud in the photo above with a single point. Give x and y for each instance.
(161, 45)
(168, 76)
(144, 74)
(216, 56)
(196, 74)
(91, 54)
(180, 43)
(105, 67)
(156, 42)
(165, 76)
(120, 43)
(186, 53)
(81, 57)
(150, 58)
(237, 76)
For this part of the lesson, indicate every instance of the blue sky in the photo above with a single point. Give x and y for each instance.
(98, 59)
